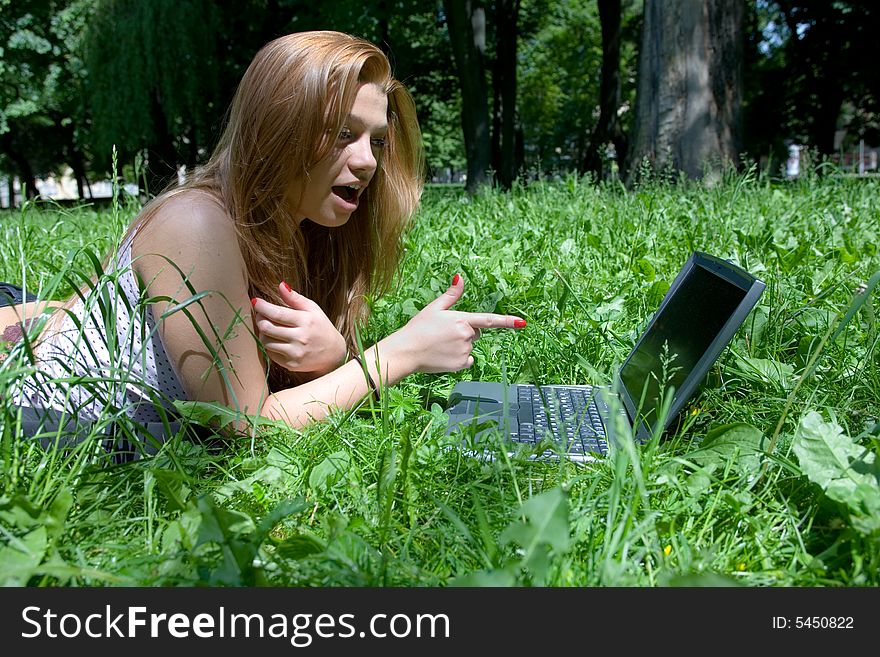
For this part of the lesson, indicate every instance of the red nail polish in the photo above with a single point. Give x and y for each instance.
(253, 302)
(286, 286)
(456, 280)
(519, 323)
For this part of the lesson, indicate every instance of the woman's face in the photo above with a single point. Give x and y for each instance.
(336, 183)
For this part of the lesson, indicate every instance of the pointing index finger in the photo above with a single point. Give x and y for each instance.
(491, 320)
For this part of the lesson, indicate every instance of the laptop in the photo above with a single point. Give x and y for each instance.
(698, 317)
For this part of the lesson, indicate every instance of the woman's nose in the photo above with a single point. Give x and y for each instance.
(362, 157)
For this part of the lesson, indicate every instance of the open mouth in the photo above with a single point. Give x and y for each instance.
(347, 192)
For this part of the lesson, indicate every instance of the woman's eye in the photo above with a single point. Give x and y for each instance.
(345, 134)
(379, 142)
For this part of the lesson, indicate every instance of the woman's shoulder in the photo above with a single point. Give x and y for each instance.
(188, 227)
(190, 212)
(183, 218)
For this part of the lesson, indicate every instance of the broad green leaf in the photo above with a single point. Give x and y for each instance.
(214, 415)
(656, 292)
(610, 309)
(19, 511)
(225, 527)
(868, 521)
(181, 533)
(843, 469)
(701, 480)
(328, 471)
(278, 472)
(767, 370)
(545, 529)
(299, 546)
(283, 510)
(21, 556)
(387, 473)
(220, 524)
(207, 414)
(486, 579)
(645, 268)
(173, 486)
(489, 303)
(738, 442)
(56, 517)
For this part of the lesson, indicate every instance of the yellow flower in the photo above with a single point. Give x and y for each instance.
(667, 550)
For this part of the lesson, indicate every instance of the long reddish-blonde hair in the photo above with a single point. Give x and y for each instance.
(289, 107)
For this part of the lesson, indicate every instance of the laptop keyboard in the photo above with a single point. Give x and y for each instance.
(569, 415)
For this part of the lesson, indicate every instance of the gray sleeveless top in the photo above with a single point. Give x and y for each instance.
(106, 355)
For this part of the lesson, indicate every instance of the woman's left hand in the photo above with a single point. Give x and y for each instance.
(299, 336)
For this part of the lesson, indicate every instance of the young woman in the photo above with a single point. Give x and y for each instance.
(246, 285)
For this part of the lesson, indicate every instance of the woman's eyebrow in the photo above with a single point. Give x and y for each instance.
(353, 120)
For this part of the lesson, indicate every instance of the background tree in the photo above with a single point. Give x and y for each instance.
(421, 42)
(466, 20)
(41, 111)
(689, 94)
(504, 105)
(534, 84)
(560, 65)
(812, 75)
(153, 81)
(608, 127)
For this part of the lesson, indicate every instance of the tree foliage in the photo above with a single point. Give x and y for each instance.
(560, 79)
(153, 73)
(154, 77)
(41, 109)
(811, 74)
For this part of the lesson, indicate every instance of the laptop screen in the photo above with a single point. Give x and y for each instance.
(678, 337)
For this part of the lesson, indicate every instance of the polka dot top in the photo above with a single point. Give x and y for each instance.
(107, 354)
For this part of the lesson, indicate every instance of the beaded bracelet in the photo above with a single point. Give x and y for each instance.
(369, 378)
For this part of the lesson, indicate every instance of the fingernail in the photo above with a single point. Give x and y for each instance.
(456, 280)
(519, 323)
(286, 286)
(253, 302)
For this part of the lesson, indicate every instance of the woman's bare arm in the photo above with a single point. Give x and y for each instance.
(195, 233)
(437, 339)
(209, 343)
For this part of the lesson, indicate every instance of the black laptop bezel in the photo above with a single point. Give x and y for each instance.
(728, 272)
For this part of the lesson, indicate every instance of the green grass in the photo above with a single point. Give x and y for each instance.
(771, 478)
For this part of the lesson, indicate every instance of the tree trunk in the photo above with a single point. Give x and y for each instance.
(820, 67)
(689, 87)
(30, 181)
(25, 170)
(162, 154)
(607, 129)
(73, 155)
(79, 176)
(504, 83)
(467, 32)
(496, 122)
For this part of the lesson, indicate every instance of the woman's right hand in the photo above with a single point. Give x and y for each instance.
(439, 339)
(298, 336)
